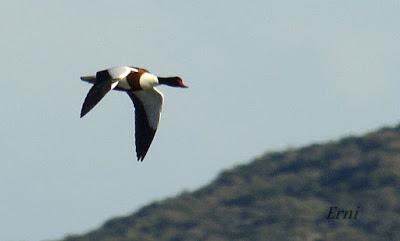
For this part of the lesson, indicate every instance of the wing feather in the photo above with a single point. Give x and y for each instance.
(148, 104)
(102, 85)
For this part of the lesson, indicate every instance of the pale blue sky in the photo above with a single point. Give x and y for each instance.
(263, 75)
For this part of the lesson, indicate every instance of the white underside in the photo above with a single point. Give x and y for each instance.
(124, 84)
(113, 85)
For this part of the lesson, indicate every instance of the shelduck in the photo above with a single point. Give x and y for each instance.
(139, 84)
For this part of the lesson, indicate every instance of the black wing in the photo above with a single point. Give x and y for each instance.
(147, 113)
(99, 89)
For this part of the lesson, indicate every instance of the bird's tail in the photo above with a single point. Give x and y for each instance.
(89, 78)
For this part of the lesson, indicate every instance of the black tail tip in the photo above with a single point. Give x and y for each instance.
(90, 79)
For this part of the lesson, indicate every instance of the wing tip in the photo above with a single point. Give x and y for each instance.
(84, 111)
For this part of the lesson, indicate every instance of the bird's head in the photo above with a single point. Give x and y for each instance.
(172, 81)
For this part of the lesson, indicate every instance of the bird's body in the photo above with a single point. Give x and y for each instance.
(139, 84)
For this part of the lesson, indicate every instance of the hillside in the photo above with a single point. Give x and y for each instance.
(282, 196)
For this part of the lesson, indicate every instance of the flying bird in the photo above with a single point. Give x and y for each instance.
(139, 84)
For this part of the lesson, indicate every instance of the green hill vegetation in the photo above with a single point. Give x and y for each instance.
(282, 196)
